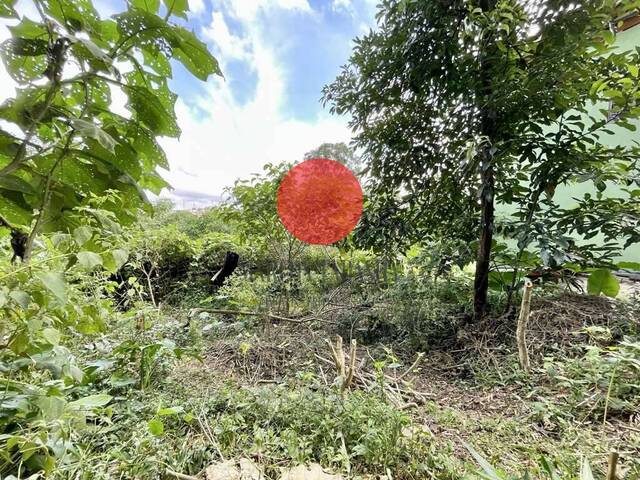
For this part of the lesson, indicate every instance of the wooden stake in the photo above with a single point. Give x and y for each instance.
(613, 465)
(523, 319)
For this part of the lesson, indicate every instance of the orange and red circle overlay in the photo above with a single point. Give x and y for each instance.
(320, 201)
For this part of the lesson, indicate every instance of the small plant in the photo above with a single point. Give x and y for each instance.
(150, 358)
(544, 469)
(601, 384)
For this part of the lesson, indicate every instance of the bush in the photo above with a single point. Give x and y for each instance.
(360, 433)
(211, 251)
(602, 382)
(414, 310)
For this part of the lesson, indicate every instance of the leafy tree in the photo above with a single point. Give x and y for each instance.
(461, 104)
(340, 152)
(71, 165)
(254, 210)
(66, 144)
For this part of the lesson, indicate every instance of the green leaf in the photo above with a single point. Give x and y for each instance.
(89, 130)
(178, 8)
(51, 407)
(51, 335)
(150, 111)
(486, 466)
(89, 260)
(54, 282)
(17, 184)
(82, 234)
(120, 257)
(24, 58)
(7, 10)
(150, 6)
(92, 401)
(635, 266)
(75, 14)
(156, 427)
(119, 380)
(585, 471)
(13, 212)
(194, 55)
(603, 282)
(21, 298)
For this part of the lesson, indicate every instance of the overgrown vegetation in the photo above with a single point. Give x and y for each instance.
(119, 357)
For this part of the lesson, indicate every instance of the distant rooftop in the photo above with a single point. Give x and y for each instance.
(628, 20)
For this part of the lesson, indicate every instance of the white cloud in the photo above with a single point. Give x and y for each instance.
(344, 5)
(196, 6)
(247, 10)
(233, 141)
(228, 45)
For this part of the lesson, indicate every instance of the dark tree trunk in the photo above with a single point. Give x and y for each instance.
(481, 283)
(488, 130)
(230, 264)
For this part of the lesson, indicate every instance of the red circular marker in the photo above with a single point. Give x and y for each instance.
(320, 201)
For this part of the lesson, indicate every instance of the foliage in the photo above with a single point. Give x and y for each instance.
(193, 224)
(339, 152)
(74, 169)
(360, 433)
(510, 111)
(61, 297)
(545, 468)
(65, 145)
(599, 385)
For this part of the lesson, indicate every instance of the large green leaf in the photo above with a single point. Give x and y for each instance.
(17, 184)
(51, 407)
(178, 8)
(88, 129)
(150, 111)
(55, 283)
(92, 401)
(152, 31)
(51, 335)
(89, 260)
(14, 213)
(194, 54)
(24, 58)
(603, 282)
(75, 14)
(82, 234)
(150, 6)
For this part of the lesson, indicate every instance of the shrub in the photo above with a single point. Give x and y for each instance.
(603, 382)
(360, 433)
(414, 310)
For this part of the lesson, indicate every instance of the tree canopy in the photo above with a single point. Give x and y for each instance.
(66, 143)
(457, 105)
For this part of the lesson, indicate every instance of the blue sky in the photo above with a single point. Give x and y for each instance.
(276, 55)
(310, 38)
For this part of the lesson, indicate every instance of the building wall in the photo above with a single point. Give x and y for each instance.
(564, 195)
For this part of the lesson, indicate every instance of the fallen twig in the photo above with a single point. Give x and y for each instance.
(181, 476)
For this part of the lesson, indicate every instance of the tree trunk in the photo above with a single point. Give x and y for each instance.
(230, 264)
(487, 188)
(481, 282)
